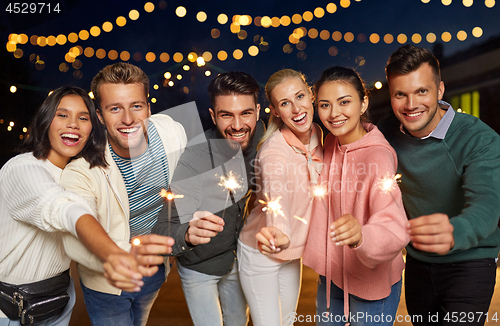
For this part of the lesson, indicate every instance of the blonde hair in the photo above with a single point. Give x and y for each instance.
(279, 77)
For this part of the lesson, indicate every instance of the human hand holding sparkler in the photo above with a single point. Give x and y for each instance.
(125, 270)
(271, 240)
(203, 227)
(346, 230)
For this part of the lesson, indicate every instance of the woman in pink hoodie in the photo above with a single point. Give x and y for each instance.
(358, 232)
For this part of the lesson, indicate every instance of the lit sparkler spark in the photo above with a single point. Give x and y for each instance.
(319, 191)
(230, 182)
(136, 242)
(389, 182)
(300, 219)
(273, 206)
(168, 195)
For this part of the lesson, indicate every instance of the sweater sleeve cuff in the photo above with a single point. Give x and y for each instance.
(459, 227)
(73, 211)
(283, 227)
(181, 246)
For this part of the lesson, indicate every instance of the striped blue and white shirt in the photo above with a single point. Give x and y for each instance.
(145, 176)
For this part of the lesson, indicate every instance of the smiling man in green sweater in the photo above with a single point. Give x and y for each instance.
(450, 167)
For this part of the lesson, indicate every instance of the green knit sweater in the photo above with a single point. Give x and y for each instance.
(458, 176)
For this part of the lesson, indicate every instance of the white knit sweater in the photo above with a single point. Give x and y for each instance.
(33, 208)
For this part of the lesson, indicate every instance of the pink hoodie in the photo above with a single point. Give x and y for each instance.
(354, 174)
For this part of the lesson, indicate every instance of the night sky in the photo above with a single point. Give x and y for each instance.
(163, 31)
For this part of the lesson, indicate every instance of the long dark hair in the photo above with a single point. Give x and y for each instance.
(38, 133)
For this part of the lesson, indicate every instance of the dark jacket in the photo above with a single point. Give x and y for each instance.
(196, 177)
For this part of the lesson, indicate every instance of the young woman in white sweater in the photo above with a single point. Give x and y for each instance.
(34, 207)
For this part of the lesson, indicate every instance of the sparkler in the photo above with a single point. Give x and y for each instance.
(303, 220)
(273, 207)
(388, 183)
(319, 192)
(168, 196)
(231, 184)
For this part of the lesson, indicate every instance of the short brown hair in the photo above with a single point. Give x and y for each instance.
(409, 58)
(233, 82)
(118, 73)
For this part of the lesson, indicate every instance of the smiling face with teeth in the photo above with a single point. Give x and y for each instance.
(340, 108)
(69, 130)
(291, 101)
(124, 107)
(414, 100)
(235, 117)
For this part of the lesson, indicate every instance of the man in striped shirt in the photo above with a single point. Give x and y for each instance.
(142, 153)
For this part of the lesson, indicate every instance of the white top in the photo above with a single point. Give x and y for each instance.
(33, 207)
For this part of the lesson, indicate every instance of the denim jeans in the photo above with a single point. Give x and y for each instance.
(61, 320)
(451, 293)
(214, 300)
(127, 309)
(361, 311)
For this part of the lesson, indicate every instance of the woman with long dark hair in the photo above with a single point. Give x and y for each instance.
(35, 286)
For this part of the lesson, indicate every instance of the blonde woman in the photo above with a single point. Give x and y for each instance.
(289, 160)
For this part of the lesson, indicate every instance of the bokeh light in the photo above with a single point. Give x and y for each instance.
(222, 19)
(201, 16)
(222, 55)
(477, 32)
(462, 35)
(150, 57)
(178, 57)
(431, 37)
(345, 3)
(331, 8)
(83, 35)
(374, 38)
(107, 27)
(388, 38)
(446, 36)
(237, 54)
(121, 21)
(125, 56)
(164, 57)
(253, 50)
(113, 55)
(149, 7)
(181, 11)
(416, 38)
(133, 14)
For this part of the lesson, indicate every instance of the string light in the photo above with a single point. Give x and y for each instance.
(237, 22)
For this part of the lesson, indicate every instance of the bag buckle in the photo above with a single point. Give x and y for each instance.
(20, 303)
(23, 318)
